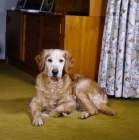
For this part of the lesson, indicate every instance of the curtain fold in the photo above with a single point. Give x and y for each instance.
(119, 62)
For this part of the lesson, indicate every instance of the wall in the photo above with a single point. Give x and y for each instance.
(4, 5)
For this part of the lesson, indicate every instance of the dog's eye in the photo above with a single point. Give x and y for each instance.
(60, 60)
(49, 60)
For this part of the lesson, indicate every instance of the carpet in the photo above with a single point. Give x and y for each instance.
(16, 90)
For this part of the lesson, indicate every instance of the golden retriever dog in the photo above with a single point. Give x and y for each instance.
(60, 93)
(54, 86)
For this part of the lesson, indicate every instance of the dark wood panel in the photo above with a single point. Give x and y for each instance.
(30, 58)
(32, 34)
(32, 20)
(52, 21)
(50, 44)
(14, 34)
(32, 45)
(13, 44)
(32, 38)
(14, 20)
(72, 6)
(51, 32)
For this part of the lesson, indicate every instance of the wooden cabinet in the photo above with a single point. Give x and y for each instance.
(71, 26)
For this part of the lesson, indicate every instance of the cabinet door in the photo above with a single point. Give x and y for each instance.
(14, 35)
(83, 37)
(53, 37)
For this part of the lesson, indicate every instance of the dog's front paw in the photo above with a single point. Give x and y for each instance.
(37, 122)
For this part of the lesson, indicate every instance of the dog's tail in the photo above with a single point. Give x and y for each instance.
(106, 109)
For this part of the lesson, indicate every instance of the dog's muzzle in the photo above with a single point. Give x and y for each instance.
(55, 72)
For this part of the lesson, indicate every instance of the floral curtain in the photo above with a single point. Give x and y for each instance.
(119, 63)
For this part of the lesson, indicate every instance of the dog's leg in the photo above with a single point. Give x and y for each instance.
(37, 118)
(90, 107)
(66, 108)
(35, 109)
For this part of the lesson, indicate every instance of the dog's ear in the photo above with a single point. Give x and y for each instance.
(40, 59)
(69, 62)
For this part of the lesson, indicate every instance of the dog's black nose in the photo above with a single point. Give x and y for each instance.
(55, 72)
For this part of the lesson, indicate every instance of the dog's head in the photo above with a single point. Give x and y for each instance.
(54, 61)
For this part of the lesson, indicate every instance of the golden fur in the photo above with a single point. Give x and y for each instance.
(90, 97)
(60, 93)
